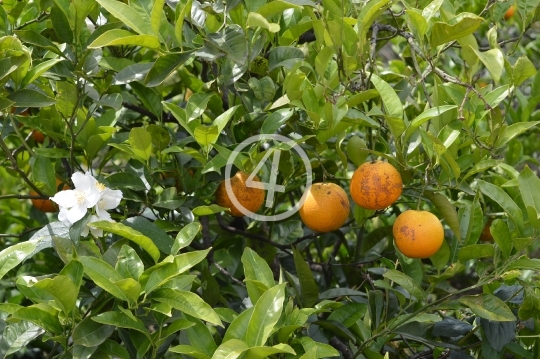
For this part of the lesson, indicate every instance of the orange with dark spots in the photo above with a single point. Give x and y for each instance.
(418, 234)
(325, 208)
(376, 185)
(250, 198)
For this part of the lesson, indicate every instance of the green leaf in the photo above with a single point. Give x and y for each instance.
(159, 237)
(104, 275)
(119, 37)
(122, 320)
(128, 16)
(493, 60)
(140, 141)
(275, 120)
(257, 20)
(125, 180)
(179, 26)
(233, 42)
(200, 336)
(349, 313)
(42, 318)
(265, 315)
(528, 186)
(523, 69)
(406, 282)
(501, 235)
(188, 303)
(66, 98)
(181, 116)
(489, 307)
(256, 268)
(89, 333)
(447, 210)
(15, 254)
(239, 326)
(512, 131)
(206, 135)
(166, 272)
(30, 98)
(185, 236)
(505, 201)
(424, 117)
(230, 349)
(36, 71)
(52, 152)
(34, 38)
(392, 104)
(308, 287)
(465, 24)
(164, 66)
(525, 263)
(475, 251)
(129, 264)
(208, 210)
(261, 352)
(133, 235)
(481, 167)
(189, 350)
(530, 306)
(432, 9)
(62, 289)
(371, 10)
(74, 270)
(155, 17)
(16, 336)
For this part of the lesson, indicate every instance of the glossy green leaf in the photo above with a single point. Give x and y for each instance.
(66, 98)
(129, 264)
(257, 20)
(522, 70)
(230, 349)
(188, 303)
(464, 25)
(366, 17)
(208, 210)
(493, 60)
(179, 26)
(275, 120)
(30, 98)
(239, 326)
(42, 318)
(34, 38)
(159, 237)
(89, 333)
(233, 42)
(256, 268)
(261, 352)
(121, 320)
(529, 183)
(155, 16)
(127, 232)
(185, 236)
(200, 337)
(141, 142)
(119, 37)
(16, 336)
(309, 289)
(392, 104)
(62, 289)
(489, 307)
(406, 282)
(424, 117)
(128, 16)
(35, 72)
(15, 254)
(265, 316)
(74, 270)
(164, 66)
(505, 201)
(188, 350)
(104, 275)
(475, 251)
(206, 135)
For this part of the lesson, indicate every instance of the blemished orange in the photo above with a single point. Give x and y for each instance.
(510, 12)
(486, 235)
(249, 197)
(418, 234)
(376, 185)
(46, 205)
(325, 208)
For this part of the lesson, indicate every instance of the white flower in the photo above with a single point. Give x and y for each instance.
(74, 203)
(95, 231)
(108, 199)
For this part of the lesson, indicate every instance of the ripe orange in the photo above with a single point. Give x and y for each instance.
(376, 185)
(38, 136)
(510, 12)
(249, 197)
(326, 207)
(486, 235)
(418, 234)
(46, 205)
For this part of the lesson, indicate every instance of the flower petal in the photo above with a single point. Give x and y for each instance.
(76, 213)
(83, 181)
(110, 198)
(65, 198)
(63, 216)
(91, 197)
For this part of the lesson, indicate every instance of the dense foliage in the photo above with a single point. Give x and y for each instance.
(151, 97)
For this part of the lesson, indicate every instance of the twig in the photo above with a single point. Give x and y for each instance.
(7, 235)
(443, 75)
(16, 168)
(342, 347)
(140, 110)
(417, 68)
(316, 234)
(372, 61)
(461, 117)
(224, 271)
(206, 236)
(40, 17)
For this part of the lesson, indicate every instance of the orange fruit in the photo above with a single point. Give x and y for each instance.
(38, 136)
(510, 12)
(326, 207)
(376, 185)
(46, 205)
(249, 197)
(418, 234)
(486, 235)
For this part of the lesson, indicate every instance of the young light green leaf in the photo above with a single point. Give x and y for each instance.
(62, 289)
(119, 37)
(141, 142)
(179, 26)
(261, 352)
(185, 236)
(208, 210)
(522, 70)
(465, 24)
(529, 183)
(257, 20)
(424, 117)
(200, 337)
(188, 350)
(155, 17)
(239, 326)
(36, 71)
(475, 251)
(432, 9)
(494, 62)
(366, 17)
(230, 349)
(104, 275)
(127, 232)
(15, 254)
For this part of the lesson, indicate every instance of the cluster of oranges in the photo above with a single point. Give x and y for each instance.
(374, 185)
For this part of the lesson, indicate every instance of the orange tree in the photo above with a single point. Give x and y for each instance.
(143, 103)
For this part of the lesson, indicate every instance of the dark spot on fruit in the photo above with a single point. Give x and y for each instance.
(328, 192)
